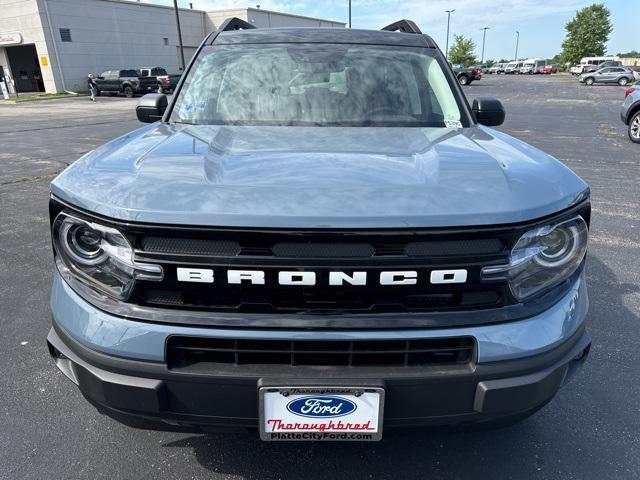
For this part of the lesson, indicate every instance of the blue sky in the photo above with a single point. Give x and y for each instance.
(540, 22)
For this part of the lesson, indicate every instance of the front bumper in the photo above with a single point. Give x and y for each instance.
(119, 366)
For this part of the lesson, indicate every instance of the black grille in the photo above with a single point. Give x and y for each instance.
(350, 249)
(371, 252)
(297, 299)
(454, 247)
(322, 250)
(188, 351)
(190, 246)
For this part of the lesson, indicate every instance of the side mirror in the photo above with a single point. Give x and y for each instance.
(488, 111)
(151, 107)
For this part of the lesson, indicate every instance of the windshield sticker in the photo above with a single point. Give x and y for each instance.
(200, 105)
(453, 123)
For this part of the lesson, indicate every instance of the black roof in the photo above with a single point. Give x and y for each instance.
(322, 35)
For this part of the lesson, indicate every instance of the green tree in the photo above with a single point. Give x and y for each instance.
(631, 54)
(587, 33)
(462, 51)
(557, 59)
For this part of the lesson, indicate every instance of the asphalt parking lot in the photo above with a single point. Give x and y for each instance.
(591, 429)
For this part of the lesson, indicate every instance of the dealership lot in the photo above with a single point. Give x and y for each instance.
(589, 431)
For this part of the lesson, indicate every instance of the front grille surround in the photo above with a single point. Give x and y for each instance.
(393, 248)
(322, 252)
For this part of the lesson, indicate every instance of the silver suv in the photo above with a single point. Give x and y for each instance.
(619, 75)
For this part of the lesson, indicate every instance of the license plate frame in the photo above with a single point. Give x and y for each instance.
(361, 396)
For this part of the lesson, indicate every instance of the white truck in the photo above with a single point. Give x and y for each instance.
(533, 65)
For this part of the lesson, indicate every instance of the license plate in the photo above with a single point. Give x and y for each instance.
(321, 413)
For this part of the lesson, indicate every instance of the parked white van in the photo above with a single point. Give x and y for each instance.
(533, 65)
(578, 69)
(513, 67)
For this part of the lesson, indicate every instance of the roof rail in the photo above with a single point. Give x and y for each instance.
(234, 23)
(405, 26)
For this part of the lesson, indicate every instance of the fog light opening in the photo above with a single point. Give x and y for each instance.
(55, 353)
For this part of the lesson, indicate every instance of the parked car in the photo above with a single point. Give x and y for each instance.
(619, 75)
(594, 68)
(513, 68)
(497, 68)
(467, 75)
(549, 69)
(166, 83)
(318, 263)
(126, 81)
(483, 68)
(631, 89)
(590, 64)
(630, 112)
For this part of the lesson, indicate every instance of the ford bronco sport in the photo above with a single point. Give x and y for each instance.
(318, 238)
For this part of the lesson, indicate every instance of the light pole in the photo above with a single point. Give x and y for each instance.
(484, 35)
(349, 13)
(517, 41)
(448, 12)
(175, 7)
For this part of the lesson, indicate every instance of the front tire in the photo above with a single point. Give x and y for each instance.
(589, 81)
(128, 92)
(634, 128)
(623, 81)
(463, 79)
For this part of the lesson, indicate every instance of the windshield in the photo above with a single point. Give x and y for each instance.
(317, 85)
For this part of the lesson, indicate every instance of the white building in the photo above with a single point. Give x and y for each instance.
(51, 45)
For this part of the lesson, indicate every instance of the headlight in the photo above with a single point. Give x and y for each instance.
(543, 257)
(99, 256)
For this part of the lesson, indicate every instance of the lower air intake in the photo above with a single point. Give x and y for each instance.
(187, 351)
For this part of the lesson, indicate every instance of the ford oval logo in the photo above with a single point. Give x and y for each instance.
(321, 407)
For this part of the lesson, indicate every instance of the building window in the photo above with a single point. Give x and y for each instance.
(165, 40)
(65, 34)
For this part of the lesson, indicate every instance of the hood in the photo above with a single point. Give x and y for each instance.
(321, 177)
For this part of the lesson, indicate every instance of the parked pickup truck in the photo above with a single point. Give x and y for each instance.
(165, 82)
(467, 75)
(319, 257)
(127, 81)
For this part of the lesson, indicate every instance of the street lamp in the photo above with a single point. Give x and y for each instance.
(175, 7)
(349, 13)
(446, 51)
(484, 35)
(517, 41)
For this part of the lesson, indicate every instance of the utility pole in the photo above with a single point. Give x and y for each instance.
(484, 35)
(446, 51)
(517, 41)
(349, 13)
(175, 7)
